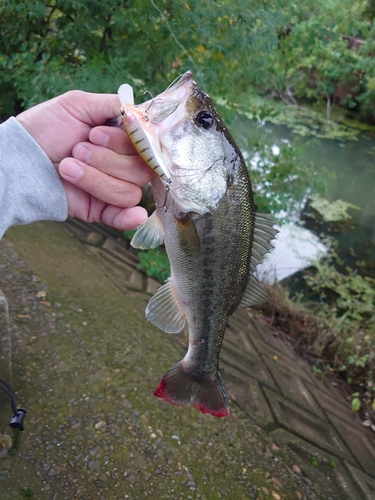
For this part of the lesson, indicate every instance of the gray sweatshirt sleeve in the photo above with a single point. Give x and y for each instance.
(30, 187)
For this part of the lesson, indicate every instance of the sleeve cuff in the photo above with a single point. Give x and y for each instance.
(30, 187)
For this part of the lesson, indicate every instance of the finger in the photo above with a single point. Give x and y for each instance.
(104, 187)
(91, 209)
(129, 168)
(124, 219)
(113, 138)
(92, 109)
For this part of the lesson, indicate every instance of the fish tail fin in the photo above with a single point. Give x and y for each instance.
(180, 386)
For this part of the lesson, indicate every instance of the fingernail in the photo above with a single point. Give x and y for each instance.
(99, 138)
(71, 170)
(82, 153)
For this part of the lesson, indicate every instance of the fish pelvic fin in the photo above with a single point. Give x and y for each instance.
(180, 387)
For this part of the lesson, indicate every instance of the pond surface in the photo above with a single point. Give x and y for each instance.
(353, 166)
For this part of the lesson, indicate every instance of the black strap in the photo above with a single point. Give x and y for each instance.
(18, 413)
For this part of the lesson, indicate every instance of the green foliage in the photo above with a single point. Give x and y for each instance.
(155, 263)
(129, 234)
(50, 47)
(356, 402)
(336, 211)
(314, 461)
(27, 493)
(321, 58)
(369, 11)
(289, 50)
(344, 318)
(332, 463)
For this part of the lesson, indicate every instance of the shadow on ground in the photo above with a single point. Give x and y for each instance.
(85, 362)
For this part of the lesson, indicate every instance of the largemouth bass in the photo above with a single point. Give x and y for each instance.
(206, 218)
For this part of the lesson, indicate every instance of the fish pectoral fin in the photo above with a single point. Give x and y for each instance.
(255, 293)
(149, 234)
(264, 233)
(163, 309)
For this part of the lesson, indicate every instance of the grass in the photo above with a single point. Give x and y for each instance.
(334, 331)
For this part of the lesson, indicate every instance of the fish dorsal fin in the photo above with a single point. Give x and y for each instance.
(255, 293)
(264, 233)
(163, 310)
(149, 234)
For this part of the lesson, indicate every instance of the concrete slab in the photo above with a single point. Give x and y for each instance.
(360, 441)
(89, 363)
(292, 385)
(247, 394)
(237, 336)
(328, 399)
(258, 331)
(295, 367)
(247, 364)
(307, 426)
(363, 481)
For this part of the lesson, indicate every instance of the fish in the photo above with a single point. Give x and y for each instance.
(205, 216)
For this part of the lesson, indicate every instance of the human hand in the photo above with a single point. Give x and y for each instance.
(101, 172)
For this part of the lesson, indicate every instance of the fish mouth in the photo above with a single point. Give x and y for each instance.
(159, 108)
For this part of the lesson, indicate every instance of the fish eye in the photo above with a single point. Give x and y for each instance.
(205, 119)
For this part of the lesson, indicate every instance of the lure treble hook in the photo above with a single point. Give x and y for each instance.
(167, 189)
(145, 113)
(153, 100)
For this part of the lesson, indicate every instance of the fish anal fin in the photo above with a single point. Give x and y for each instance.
(163, 309)
(180, 387)
(255, 293)
(149, 234)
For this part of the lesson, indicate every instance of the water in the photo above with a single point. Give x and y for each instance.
(353, 166)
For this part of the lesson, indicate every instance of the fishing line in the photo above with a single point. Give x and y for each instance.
(199, 73)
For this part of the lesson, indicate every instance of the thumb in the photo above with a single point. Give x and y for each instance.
(92, 109)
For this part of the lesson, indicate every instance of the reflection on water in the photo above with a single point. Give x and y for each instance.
(353, 165)
(296, 248)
